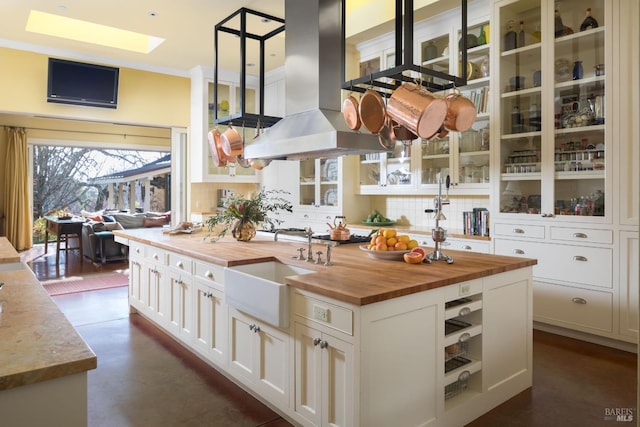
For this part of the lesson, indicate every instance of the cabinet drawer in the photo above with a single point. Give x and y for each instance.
(155, 254)
(180, 262)
(467, 245)
(568, 263)
(572, 307)
(324, 313)
(517, 230)
(136, 249)
(581, 235)
(209, 272)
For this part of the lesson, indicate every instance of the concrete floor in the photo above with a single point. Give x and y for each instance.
(144, 378)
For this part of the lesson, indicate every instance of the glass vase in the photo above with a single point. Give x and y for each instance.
(243, 230)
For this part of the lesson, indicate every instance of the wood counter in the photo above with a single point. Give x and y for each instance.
(354, 277)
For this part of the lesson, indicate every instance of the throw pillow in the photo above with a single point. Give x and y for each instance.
(155, 222)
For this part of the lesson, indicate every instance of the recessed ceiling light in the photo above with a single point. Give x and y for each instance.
(152, 14)
(265, 20)
(89, 32)
(250, 64)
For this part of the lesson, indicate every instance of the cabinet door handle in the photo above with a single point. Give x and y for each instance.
(518, 230)
(179, 264)
(324, 344)
(579, 235)
(579, 300)
(464, 311)
(256, 329)
(316, 341)
(518, 251)
(466, 247)
(208, 274)
(580, 258)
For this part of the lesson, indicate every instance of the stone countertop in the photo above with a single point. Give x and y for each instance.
(354, 277)
(7, 252)
(37, 341)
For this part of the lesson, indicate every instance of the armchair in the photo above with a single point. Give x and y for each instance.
(98, 242)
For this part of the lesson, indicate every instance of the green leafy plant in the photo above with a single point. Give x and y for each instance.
(262, 208)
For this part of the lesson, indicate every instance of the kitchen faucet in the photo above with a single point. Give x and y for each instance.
(306, 232)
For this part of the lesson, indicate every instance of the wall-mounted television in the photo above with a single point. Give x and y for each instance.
(79, 83)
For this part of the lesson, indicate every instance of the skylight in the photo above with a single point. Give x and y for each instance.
(88, 32)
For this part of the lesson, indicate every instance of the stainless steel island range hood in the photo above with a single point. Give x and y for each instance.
(313, 125)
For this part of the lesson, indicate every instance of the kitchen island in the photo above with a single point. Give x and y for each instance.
(368, 342)
(43, 360)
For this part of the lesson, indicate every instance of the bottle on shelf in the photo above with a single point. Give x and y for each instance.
(535, 121)
(589, 21)
(537, 34)
(510, 37)
(578, 72)
(482, 38)
(521, 35)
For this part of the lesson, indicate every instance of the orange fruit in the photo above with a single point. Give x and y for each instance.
(380, 246)
(412, 258)
(412, 244)
(391, 241)
(420, 251)
(401, 246)
(403, 238)
(389, 232)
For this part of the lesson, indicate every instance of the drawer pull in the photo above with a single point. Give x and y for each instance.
(580, 258)
(208, 274)
(464, 337)
(518, 230)
(464, 311)
(580, 235)
(179, 264)
(518, 251)
(579, 300)
(466, 247)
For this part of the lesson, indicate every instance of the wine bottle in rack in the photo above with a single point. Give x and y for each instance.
(589, 21)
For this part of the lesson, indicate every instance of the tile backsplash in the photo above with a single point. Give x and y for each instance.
(410, 210)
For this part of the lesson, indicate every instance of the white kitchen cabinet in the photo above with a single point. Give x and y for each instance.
(154, 290)
(629, 284)
(259, 357)
(136, 275)
(391, 172)
(323, 361)
(180, 300)
(323, 371)
(328, 188)
(553, 150)
(210, 334)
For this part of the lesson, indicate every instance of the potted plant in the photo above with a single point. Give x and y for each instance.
(241, 214)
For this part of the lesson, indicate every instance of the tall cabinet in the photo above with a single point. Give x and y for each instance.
(558, 112)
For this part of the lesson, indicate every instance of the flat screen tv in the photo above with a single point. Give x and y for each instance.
(79, 83)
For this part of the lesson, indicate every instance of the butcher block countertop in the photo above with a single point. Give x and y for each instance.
(37, 341)
(354, 277)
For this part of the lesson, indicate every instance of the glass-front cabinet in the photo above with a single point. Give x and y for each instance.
(389, 172)
(551, 126)
(319, 180)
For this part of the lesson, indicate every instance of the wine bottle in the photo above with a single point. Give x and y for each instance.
(510, 38)
(482, 39)
(537, 34)
(521, 35)
(589, 21)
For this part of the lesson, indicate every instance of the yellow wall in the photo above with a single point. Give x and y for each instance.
(144, 98)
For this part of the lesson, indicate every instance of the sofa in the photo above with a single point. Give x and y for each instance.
(98, 241)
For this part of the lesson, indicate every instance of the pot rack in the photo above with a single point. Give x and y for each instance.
(386, 81)
(243, 118)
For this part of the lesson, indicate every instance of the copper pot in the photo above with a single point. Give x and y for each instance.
(350, 113)
(401, 133)
(461, 112)
(417, 109)
(217, 154)
(232, 139)
(372, 111)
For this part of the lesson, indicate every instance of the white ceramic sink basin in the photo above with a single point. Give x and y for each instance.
(13, 266)
(259, 290)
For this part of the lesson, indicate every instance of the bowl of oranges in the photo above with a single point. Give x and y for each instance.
(387, 244)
